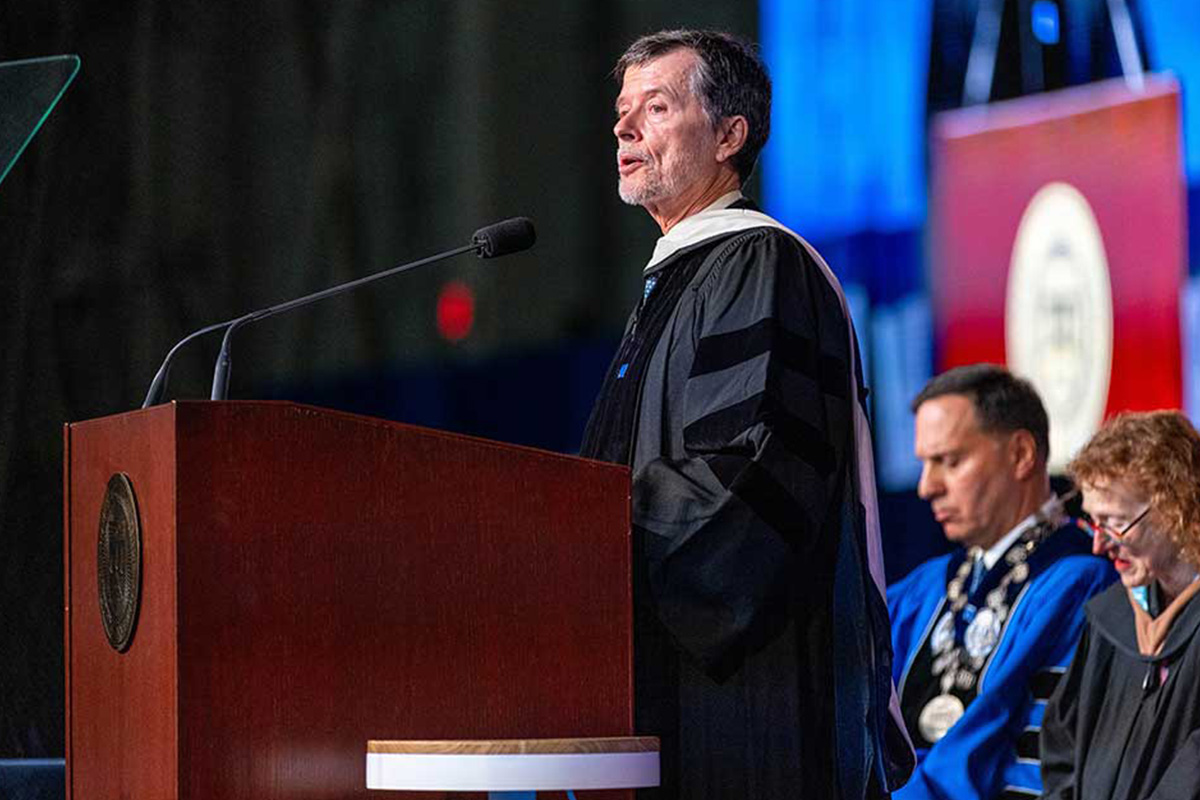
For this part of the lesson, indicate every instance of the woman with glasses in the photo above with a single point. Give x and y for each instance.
(1125, 720)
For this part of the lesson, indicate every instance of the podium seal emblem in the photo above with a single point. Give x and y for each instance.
(119, 562)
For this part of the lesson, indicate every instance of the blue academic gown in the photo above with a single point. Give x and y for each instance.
(992, 751)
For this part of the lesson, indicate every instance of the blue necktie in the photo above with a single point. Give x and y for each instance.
(977, 573)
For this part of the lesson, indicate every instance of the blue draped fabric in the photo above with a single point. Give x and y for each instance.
(32, 779)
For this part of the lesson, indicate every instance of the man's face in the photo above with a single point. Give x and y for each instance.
(1145, 552)
(665, 143)
(967, 475)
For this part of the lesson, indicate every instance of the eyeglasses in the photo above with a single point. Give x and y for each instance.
(1112, 534)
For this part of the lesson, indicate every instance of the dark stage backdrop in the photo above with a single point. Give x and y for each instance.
(211, 158)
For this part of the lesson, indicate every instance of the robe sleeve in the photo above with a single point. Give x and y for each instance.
(1057, 743)
(766, 425)
(1181, 781)
(970, 761)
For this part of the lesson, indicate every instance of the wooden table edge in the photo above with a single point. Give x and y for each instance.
(579, 746)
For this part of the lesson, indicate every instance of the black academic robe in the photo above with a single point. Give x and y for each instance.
(1115, 728)
(761, 648)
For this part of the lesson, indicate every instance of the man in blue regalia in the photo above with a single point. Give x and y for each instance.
(982, 635)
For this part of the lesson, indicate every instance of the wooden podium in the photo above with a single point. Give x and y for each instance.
(311, 579)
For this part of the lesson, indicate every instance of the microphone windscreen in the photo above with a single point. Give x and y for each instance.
(500, 239)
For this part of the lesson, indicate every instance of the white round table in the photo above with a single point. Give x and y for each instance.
(513, 768)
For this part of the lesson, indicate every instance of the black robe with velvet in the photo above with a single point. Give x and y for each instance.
(761, 646)
(1120, 725)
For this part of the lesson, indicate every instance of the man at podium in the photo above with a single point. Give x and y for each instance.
(761, 643)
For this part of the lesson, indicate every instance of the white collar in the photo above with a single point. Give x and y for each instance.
(702, 225)
(993, 553)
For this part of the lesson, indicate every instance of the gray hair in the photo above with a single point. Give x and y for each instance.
(729, 79)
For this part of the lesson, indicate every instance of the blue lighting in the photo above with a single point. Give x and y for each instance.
(1172, 29)
(847, 144)
(1044, 20)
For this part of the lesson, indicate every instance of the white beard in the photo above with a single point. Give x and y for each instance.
(655, 184)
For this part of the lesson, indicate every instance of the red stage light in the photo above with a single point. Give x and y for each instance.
(455, 311)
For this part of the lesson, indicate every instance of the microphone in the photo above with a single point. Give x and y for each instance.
(510, 236)
(499, 239)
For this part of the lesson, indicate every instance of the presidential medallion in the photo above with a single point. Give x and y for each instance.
(938, 716)
(957, 664)
(119, 562)
(982, 634)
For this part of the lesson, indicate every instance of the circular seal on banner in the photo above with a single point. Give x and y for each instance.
(943, 634)
(938, 716)
(982, 634)
(1058, 315)
(119, 562)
